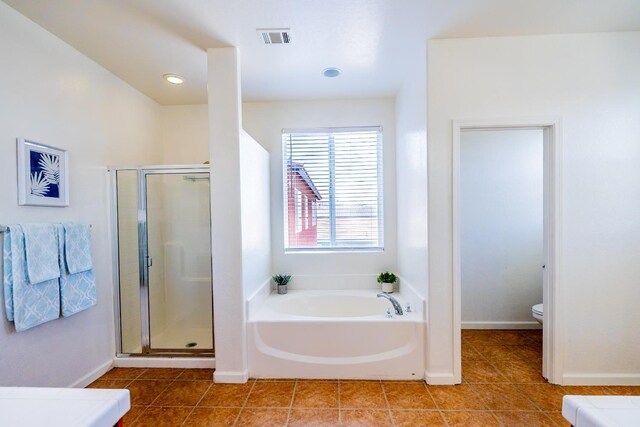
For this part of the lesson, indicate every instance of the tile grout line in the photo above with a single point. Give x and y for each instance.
(164, 389)
(446, 423)
(244, 404)
(129, 382)
(144, 371)
(486, 360)
(513, 383)
(293, 395)
(500, 371)
(495, 417)
(384, 393)
(339, 403)
(130, 379)
(147, 406)
(479, 396)
(197, 403)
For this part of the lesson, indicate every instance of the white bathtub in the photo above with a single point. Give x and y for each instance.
(334, 334)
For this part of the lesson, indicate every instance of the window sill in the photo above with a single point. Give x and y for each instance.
(314, 251)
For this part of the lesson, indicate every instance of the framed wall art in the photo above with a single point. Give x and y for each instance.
(43, 178)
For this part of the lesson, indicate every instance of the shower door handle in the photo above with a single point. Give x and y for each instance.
(149, 262)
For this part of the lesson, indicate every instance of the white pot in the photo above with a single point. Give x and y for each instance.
(387, 288)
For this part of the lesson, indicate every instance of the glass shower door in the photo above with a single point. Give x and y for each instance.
(177, 261)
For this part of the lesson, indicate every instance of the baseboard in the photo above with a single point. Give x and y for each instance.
(601, 379)
(439, 378)
(502, 325)
(165, 362)
(92, 376)
(231, 377)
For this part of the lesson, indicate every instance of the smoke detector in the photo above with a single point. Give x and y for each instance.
(274, 35)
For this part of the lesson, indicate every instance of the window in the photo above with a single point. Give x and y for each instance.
(338, 172)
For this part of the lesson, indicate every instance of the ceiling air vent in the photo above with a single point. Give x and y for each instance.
(274, 35)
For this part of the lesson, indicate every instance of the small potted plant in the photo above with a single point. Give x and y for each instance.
(281, 281)
(387, 280)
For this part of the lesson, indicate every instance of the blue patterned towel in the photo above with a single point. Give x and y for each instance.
(41, 243)
(7, 278)
(77, 290)
(26, 304)
(77, 246)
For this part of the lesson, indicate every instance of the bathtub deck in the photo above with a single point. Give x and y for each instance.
(502, 386)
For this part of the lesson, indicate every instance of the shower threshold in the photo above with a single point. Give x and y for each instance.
(182, 361)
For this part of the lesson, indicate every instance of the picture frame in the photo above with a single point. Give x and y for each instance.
(43, 174)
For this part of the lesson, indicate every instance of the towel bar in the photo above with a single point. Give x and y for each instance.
(4, 228)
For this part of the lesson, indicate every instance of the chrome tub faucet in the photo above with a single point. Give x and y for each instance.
(396, 305)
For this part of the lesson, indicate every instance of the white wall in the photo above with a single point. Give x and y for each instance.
(501, 213)
(265, 121)
(53, 94)
(411, 188)
(256, 214)
(184, 134)
(591, 82)
(225, 121)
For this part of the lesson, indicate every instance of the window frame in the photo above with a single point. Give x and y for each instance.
(380, 247)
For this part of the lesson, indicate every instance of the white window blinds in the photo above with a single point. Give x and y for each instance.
(333, 176)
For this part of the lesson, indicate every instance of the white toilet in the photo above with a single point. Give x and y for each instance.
(537, 312)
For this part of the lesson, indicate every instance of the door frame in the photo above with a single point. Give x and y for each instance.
(552, 368)
(145, 339)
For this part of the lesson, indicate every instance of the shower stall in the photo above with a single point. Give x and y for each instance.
(162, 233)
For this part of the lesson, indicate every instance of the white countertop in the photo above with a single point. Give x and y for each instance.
(602, 411)
(62, 407)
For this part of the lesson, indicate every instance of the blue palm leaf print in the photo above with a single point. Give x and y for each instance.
(39, 184)
(45, 174)
(50, 165)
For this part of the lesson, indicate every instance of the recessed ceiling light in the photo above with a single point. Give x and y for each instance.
(174, 79)
(331, 72)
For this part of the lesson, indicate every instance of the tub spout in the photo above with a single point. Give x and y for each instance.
(396, 305)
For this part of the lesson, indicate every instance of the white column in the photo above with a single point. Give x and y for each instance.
(225, 119)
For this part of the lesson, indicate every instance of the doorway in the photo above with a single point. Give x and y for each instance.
(162, 231)
(514, 253)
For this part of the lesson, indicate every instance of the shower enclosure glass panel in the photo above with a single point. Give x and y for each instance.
(129, 265)
(179, 260)
(163, 235)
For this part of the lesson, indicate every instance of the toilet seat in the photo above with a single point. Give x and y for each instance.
(538, 309)
(537, 312)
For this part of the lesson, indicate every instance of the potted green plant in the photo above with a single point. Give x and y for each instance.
(281, 281)
(387, 280)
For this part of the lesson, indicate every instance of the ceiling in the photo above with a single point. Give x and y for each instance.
(373, 42)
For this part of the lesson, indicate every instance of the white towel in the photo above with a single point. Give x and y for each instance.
(7, 269)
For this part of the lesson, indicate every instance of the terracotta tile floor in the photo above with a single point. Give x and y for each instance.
(502, 386)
